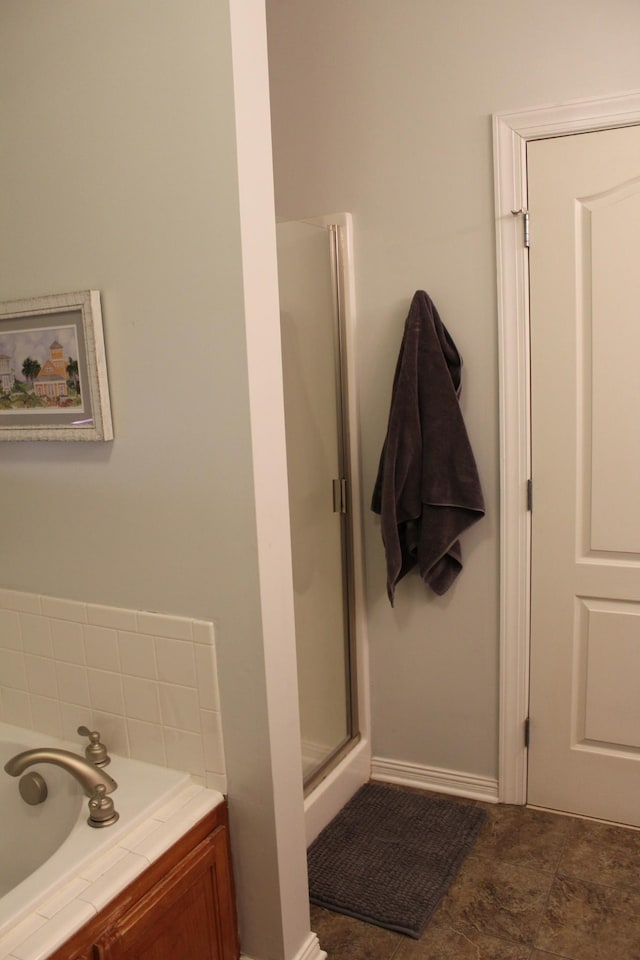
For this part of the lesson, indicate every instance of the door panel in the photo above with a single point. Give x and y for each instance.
(611, 220)
(612, 661)
(584, 204)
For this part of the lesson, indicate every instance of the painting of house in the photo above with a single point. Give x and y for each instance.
(6, 373)
(51, 382)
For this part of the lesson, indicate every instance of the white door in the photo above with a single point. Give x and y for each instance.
(584, 204)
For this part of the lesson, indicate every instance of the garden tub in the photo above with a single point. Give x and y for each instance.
(45, 849)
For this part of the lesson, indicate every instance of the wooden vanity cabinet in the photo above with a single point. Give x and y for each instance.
(182, 906)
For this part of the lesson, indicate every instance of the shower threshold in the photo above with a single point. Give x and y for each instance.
(317, 773)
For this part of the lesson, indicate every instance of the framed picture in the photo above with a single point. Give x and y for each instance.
(53, 370)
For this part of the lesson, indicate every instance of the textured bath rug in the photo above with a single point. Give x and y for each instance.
(390, 855)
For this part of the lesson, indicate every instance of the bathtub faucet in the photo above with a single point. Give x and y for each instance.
(87, 774)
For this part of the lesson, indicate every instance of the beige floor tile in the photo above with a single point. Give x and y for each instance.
(603, 854)
(347, 939)
(528, 838)
(589, 921)
(497, 899)
(442, 941)
(543, 955)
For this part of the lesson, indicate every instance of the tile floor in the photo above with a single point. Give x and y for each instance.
(537, 886)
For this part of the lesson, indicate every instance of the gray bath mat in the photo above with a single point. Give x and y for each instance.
(390, 855)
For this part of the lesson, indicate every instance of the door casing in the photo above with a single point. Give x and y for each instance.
(511, 133)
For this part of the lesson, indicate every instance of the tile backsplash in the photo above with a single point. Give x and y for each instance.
(147, 681)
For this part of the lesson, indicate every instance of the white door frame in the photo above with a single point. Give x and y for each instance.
(511, 132)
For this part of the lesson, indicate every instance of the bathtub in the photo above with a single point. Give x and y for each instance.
(47, 848)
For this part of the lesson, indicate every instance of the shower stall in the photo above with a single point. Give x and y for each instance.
(316, 315)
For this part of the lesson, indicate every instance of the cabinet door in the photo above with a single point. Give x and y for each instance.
(186, 915)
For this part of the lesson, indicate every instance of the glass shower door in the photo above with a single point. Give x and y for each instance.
(318, 488)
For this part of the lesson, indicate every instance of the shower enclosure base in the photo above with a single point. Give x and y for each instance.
(331, 794)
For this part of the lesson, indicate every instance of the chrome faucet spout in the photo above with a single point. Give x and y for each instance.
(87, 775)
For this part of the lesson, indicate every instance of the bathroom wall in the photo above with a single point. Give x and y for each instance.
(148, 682)
(384, 109)
(126, 129)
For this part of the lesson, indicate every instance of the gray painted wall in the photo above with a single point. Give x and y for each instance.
(384, 109)
(119, 172)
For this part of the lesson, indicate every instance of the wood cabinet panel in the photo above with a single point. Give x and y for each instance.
(182, 906)
(178, 917)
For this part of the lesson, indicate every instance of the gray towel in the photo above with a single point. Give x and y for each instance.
(427, 490)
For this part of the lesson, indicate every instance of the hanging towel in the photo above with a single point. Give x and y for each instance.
(427, 491)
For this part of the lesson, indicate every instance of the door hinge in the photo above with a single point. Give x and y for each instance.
(529, 494)
(340, 495)
(527, 731)
(525, 224)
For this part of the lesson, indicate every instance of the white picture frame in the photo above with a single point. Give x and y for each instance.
(53, 369)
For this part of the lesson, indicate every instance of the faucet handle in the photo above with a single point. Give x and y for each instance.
(96, 751)
(102, 812)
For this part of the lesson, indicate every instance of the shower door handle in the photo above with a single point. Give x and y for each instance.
(340, 495)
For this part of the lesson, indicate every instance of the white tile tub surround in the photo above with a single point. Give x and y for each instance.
(48, 923)
(147, 681)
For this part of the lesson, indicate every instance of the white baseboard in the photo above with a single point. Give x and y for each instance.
(310, 950)
(453, 782)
